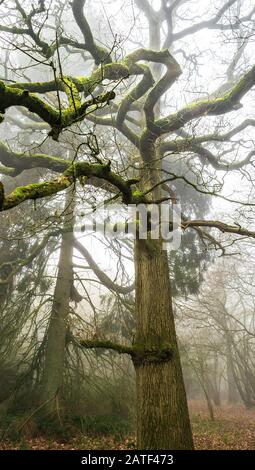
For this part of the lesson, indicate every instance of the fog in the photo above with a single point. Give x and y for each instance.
(109, 104)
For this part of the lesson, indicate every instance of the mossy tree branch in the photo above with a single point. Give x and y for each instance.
(114, 71)
(57, 119)
(19, 161)
(211, 107)
(139, 355)
(67, 178)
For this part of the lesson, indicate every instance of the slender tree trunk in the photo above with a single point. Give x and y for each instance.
(56, 335)
(204, 384)
(213, 390)
(162, 412)
(231, 383)
(200, 373)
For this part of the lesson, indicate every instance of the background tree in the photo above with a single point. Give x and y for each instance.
(220, 340)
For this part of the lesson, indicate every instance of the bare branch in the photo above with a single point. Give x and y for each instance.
(224, 228)
(104, 279)
(99, 53)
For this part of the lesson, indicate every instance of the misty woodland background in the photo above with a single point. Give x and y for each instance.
(134, 101)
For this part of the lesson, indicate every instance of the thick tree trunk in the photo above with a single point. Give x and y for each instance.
(56, 334)
(162, 412)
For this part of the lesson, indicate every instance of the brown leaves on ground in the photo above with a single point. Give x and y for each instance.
(233, 428)
(83, 442)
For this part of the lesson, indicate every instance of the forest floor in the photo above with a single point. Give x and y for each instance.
(232, 428)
